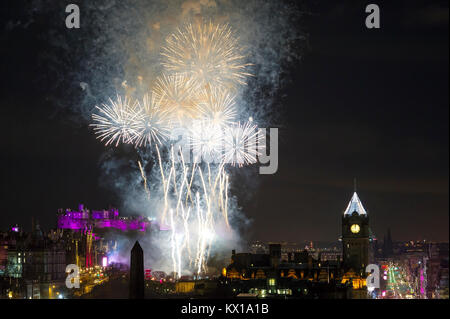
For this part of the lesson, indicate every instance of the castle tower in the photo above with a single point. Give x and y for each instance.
(355, 236)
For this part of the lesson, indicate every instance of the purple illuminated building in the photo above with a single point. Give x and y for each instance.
(94, 233)
(84, 219)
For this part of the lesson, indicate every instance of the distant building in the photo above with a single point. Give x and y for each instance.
(288, 271)
(90, 233)
(330, 255)
(35, 264)
(300, 276)
(437, 271)
(258, 247)
(84, 219)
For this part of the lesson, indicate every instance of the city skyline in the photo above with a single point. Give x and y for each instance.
(224, 157)
(364, 104)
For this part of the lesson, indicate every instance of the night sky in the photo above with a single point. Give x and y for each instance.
(364, 104)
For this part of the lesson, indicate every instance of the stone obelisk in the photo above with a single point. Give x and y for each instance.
(137, 272)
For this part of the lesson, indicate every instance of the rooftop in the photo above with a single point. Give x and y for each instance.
(355, 205)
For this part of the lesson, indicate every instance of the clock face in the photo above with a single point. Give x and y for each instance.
(355, 228)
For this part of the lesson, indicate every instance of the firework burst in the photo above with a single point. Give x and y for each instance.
(176, 95)
(116, 122)
(207, 52)
(241, 144)
(206, 141)
(151, 122)
(217, 106)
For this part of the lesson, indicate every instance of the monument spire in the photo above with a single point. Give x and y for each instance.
(137, 272)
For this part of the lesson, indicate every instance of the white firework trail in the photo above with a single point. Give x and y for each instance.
(192, 235)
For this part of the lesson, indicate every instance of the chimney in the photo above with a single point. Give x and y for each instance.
(310, 262)
(275, 254)
(137, 272)
(233, 254)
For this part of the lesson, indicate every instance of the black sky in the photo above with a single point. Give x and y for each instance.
(370, 104)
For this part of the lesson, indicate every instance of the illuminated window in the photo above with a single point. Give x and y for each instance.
(272, 282)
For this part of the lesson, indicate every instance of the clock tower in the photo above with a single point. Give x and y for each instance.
(355, 236)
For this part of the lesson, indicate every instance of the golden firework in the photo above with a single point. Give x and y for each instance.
(217, 106)
(207, 52)
(176, 95)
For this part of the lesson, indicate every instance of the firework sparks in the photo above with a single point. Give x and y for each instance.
(116, 121)
(206, 141)
(207, 52)
(151, 122)
(192, 236)
(176, 95)
(145, 179)
(241, 144)
(217, 106)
